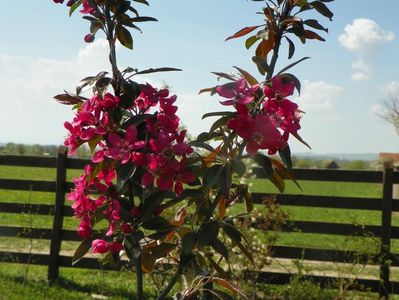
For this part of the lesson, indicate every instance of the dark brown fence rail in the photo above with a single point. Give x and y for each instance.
(385, 231)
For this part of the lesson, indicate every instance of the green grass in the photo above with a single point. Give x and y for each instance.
(79, 284)
(71, 284)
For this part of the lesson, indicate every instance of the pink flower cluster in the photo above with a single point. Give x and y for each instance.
(265, 117)
(92, 121)
(156, 145)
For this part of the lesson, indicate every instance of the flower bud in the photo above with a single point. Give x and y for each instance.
(89, 38)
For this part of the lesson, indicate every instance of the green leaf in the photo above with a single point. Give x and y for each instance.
(212, 175)
(250, 41)
(285, 155)
(208, 233)
(202, 145)
(287, 77)
(291, 48)
(142, 2)
(162, 250)
(124, 37)
(95, 26)
(143, 19)
(155, 70)
(81, 251)
(155, 223)
(322, 9)
(75, 6)
(218, 113)
(264, 162)
(124, 173)
(315, 24)
(301, 3)
(206, 136)
(225, 180)
(160, 234)
(132, 90)
(151, 202)
(147, 261)
(232, 232)
(220, 247)
(261, 63)
(292, 65)
(248, 204)
(238, 166)
(188, 242)
(224, 75)
(219, 123)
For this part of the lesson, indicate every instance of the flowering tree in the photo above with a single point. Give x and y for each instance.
(149, 193)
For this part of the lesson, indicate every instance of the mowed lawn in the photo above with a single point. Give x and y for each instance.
(349, 216)
(88, 281)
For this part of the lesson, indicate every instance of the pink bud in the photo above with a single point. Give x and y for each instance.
(89, 38)
(99, 246)
(135, 212)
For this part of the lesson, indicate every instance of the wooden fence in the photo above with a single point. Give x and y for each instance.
(385, 232)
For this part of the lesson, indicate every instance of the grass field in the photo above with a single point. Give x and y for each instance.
(86, 282)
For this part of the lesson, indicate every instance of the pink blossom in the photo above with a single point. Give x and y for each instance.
(115, 246)
(259, 132)
(122, 148)
(240, 93)
(87, 8)
(85, 228)
(99, 246)
(279, 89)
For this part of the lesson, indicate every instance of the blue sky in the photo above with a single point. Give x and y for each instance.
(42, 52)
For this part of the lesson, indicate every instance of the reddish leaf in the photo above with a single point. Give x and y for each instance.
(248, 77)
(224, 75)
(311, 35)
(208, 90)
(228, 285)
(322, 9)
(269, 12)
(68, 99)
(243, 32)
(265, 47)
(299, 138)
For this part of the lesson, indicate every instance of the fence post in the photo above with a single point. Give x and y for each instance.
(386, 214)
(55, 247)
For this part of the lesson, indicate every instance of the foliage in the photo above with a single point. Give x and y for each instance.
(162, 197)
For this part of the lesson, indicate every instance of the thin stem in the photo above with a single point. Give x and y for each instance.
(213, 207)
(172, 282)
(273, 61)
(110, 28)
(139, 279)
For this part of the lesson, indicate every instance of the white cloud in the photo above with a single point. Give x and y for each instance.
(192, 107)
(363, 37)
(318, 96)
(390, 89)
(28, 112)
(30, 115)
(363, 70)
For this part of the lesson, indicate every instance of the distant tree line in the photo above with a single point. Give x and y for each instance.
(84, 152)
(312, 163)
(38, 150)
